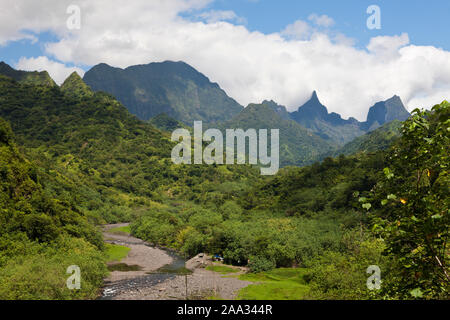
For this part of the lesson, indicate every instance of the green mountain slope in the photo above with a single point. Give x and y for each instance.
(113, 145)
(42, 231)
(74, 86)
(298, 146)
(98, 141)
(379, 139)
(174, 88)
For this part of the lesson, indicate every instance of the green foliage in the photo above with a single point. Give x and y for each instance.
(338, 275)
(41, 233)
(39, 271)
(260, 264)
(414, 201)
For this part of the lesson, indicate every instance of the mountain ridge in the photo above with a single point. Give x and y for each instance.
(27, 77)
(298, 145)
(173, 88)
(331, 126)
(183, 103)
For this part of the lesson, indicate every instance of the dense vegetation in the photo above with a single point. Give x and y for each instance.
(379, 139)
(333, 218)
(412, 206)
(41, 233)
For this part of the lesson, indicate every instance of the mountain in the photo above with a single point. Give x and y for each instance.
(27, 77)
(298, 146)
(330, 126)
(378, 139)
(279, 109)
(385, 111)
(174, 88)
(94, 138)
(74, 86)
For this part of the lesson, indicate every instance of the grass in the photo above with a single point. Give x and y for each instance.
(221, 269)
(277, 284)
(115, 252)
(121, 230)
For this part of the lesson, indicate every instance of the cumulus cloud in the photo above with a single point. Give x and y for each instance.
(58, 71)
(285, 66)
(298, 30)
(221, 15)
(388, 46)
(321, 21)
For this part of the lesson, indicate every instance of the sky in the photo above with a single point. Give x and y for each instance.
(254, 49)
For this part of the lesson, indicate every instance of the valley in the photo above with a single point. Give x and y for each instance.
(74, 159)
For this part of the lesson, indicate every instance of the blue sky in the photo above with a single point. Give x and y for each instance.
(426, 22)
(254, 49)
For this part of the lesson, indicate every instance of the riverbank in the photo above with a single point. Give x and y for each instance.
(150, 283)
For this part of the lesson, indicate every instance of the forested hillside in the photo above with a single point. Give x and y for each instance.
(378, 139)
(42, 231)
(298, 146)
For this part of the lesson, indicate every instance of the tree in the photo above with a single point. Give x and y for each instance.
(414, 219)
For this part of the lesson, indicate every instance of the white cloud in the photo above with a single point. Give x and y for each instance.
(58, 71)
(221, 15)
(299, 30)
(250, 66)
(388, 47)
(321, 21)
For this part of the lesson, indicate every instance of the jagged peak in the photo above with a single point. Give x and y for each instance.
(74, 75)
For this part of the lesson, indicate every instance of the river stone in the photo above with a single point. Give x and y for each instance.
(199, 261)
